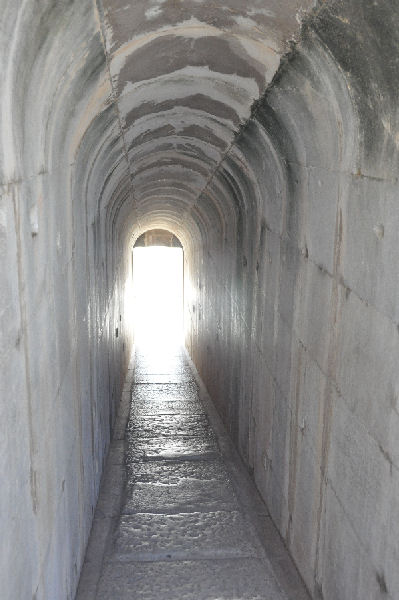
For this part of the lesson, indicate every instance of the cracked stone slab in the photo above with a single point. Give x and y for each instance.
(159, 407)
(151, 537)
(160, 378)
(175, 367)
(174, 472)
(168, 425)
(168, 392)
(161, 364)
(169, 448)
(185, 496)
(243, 579)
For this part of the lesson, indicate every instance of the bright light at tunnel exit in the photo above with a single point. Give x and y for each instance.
(158, 296)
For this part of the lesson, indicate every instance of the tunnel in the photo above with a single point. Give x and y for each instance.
(264, 136)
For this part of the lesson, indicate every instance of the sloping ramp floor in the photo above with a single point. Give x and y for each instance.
(178, 517)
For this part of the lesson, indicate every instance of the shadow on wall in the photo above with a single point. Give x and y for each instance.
(294, 326)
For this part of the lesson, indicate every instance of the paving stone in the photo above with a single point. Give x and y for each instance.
(172, 367)
(152, 537)
(173, 407)
(186, 496)
(157, 366)
(174, 472)
(169, 448)
(233, 579)
(168, 425)
(167, 392)
(181, 530)
(160, 399)
(160, 378)
(161, 355)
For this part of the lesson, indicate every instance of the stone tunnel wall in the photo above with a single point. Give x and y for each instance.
(62, 365)
(294, 318)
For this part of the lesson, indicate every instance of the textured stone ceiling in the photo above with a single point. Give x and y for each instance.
(184, 76)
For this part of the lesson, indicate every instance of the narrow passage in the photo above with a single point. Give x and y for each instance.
(178, 517)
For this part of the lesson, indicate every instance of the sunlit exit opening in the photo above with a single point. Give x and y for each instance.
(158, 296)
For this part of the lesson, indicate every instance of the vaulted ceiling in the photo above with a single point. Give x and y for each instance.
(184, 76)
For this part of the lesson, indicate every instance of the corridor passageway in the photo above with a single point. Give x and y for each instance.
(178, 517)
(263, 137)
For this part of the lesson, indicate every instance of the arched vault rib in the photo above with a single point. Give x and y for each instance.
(184, 77)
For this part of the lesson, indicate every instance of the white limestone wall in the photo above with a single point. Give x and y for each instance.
(61, 364)
(294, 324)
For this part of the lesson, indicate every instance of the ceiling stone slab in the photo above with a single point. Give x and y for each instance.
(185, 74)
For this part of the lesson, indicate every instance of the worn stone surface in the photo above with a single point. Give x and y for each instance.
(198, 535)
(185, 528)
(189, 580)
(185, 496)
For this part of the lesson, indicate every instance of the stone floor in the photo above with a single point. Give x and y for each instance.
(178, 518)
